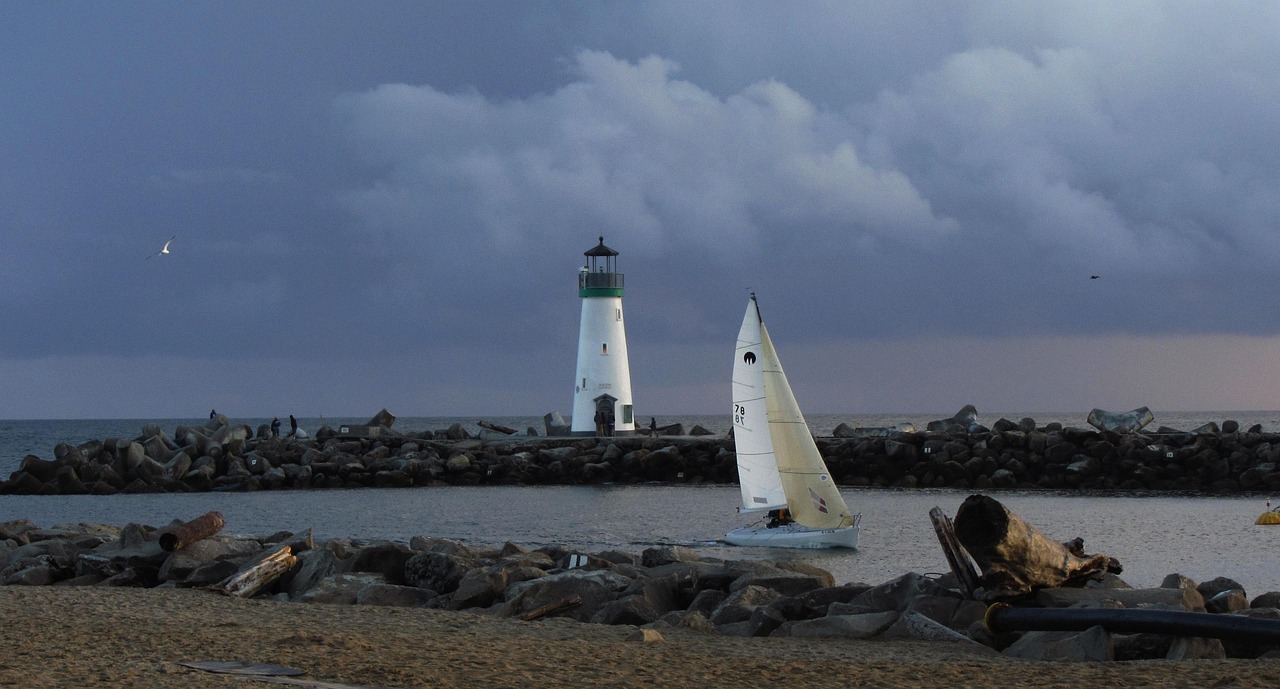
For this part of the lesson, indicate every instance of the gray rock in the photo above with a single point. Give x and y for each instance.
(183, 562)
(341, 589)
(688, 619)
(1195, 648)
(635, 609)
(1230, 600)
(1177, 581)
(940, 609)
(437, 571)
(480, 587)
(739, 604)
(1270, 599)
(391, 595)
(593, 588)
(863, 626)
(440, 545)
(33, 575)
(785, 584)
(313, 567)
(765, 620)
(706, 601)
(1217, 585)
(387, 559)
(1125, 422)
(898, 593)
(209, 573)
(914, 625)
(665, 555)
(1090, 645)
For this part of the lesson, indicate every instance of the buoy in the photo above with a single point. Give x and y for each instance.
(1268, 518)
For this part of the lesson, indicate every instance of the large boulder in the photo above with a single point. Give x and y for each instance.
(592, 590)
(341, 589)
(437, 571)
(387, 559)
(739, 605)
(313, 566)
(1120, 422)
(1092, 644)
(859, 626)
(391, 595)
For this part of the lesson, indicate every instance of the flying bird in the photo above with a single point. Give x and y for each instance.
(165, 250)
(1091, 277)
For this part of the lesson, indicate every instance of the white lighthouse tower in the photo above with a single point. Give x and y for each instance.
(602, 389)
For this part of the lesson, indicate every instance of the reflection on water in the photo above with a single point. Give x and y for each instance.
(1200, 537)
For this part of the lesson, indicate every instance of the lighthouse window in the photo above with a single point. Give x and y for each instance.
(604, 348)
(617, 314)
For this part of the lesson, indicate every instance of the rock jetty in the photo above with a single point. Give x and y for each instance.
(951, 453)
(659, 589)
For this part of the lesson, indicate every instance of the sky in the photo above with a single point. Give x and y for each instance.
(385, 205)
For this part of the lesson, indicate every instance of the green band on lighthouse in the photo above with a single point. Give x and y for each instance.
(600, 292)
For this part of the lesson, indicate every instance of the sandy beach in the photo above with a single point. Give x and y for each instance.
(120, 637)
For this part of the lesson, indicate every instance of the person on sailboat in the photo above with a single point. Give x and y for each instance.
(779, 517)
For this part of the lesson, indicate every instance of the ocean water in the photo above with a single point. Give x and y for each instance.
(1152, 535)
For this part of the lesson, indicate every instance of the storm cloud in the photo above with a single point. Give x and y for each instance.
(388, 206)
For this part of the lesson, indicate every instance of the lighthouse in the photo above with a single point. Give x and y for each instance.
(602, 388)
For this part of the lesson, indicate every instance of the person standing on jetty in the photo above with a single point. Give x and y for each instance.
(293, 426)
(275, 427)
(213, 413)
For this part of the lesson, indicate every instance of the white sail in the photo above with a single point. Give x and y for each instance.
(757, 469)
(812, 496)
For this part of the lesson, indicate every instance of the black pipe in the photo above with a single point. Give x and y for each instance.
(1002, 617)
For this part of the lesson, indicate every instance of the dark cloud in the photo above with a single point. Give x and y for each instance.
(404, 190)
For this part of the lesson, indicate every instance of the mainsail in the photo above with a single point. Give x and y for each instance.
(757, 469)
(811, 494)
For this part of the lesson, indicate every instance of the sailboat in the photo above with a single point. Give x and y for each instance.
(780, 470)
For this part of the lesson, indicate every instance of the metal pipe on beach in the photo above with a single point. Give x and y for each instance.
(187, 533)
(1002, 618)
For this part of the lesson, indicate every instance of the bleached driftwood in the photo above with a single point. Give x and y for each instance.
(1015, 557)
(258, 573)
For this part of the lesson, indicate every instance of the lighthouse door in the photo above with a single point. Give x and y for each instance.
(605, 405)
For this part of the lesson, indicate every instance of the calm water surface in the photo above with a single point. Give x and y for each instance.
(1200, 537)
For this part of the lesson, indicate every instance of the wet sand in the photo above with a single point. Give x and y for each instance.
(114, 637)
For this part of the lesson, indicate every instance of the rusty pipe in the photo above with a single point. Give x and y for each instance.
(187, 533)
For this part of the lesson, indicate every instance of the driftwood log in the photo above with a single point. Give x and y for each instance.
(1015, 557)
(959, 560)
(187, 533)
(258, 573)
(496, 427)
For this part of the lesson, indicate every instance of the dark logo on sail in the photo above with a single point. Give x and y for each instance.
(749, 357)
(818, 503)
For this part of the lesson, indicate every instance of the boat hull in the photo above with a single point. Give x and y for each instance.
(794, 536)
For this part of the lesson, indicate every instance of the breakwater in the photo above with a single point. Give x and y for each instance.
(661, 589)
(222, 455)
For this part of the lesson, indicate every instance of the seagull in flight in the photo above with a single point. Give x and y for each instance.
(1091, 277)
(165, 250)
